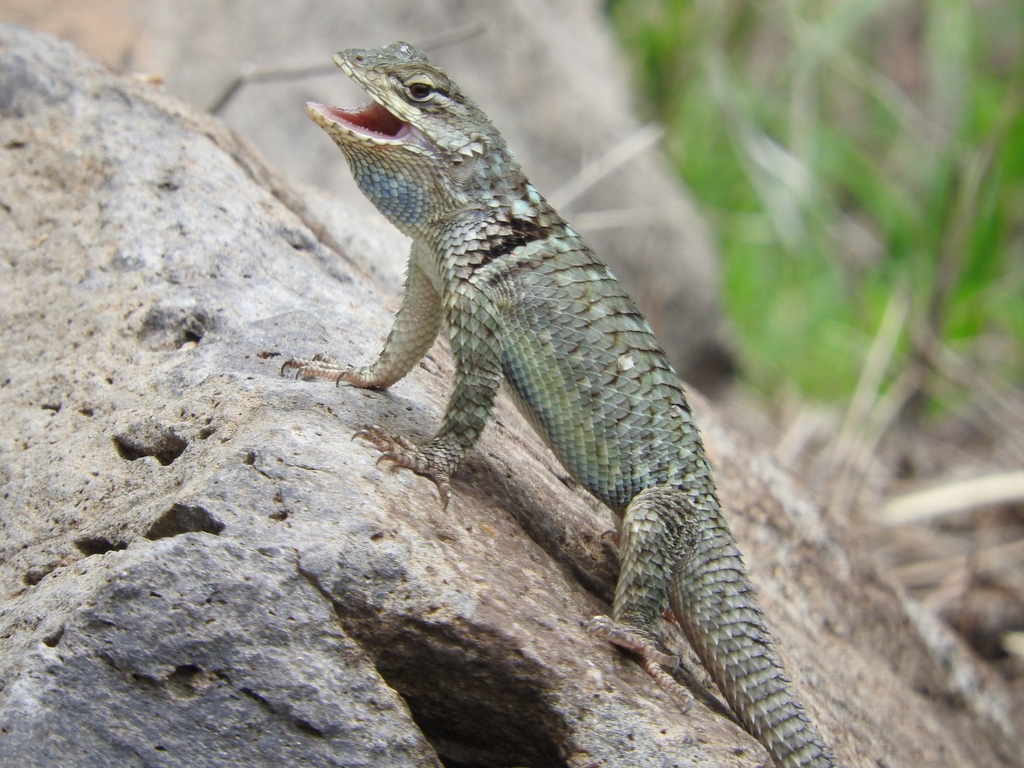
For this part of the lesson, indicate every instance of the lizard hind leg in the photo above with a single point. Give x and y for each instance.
(650, 537)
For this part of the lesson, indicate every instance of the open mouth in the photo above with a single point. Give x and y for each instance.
(372, 121)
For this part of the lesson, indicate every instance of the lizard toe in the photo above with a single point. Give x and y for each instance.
(402, 453)
(653, 661)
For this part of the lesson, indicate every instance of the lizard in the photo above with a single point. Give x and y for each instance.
(523, 300)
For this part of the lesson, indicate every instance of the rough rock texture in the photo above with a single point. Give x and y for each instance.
(199, 567)
(547, 73)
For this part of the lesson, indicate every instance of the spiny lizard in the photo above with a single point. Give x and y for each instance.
(522, 299)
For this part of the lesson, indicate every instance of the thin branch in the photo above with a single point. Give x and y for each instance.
(636, 143)
(809, 422)
(929, 572)
(1004, 488)
(453, 35)
(616, 218)
(881, 417)
(872, 82)
(997, 399)
(248, 74)
(877, 362)
(1013, 643)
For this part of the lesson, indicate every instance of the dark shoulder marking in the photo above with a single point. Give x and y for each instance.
(518, 233)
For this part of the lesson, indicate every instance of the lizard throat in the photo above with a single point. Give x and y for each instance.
(372, 121)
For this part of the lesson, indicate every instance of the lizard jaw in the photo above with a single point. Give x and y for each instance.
(371, 124)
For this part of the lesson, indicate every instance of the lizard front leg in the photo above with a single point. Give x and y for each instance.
(473, 330)
(416, 326)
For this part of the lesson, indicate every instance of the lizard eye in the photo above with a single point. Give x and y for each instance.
(420, 91)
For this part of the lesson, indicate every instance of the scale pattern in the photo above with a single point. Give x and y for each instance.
(524, 300)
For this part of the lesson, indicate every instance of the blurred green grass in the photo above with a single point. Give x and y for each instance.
(850, 155)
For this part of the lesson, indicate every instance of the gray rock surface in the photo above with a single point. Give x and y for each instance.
(198, 566)
(198, 651)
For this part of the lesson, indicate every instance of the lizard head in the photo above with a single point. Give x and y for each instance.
(420, 150)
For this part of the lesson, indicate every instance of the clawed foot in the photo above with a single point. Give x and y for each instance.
(403, 453)
(320, 367)
(611, 539)
(652, 659)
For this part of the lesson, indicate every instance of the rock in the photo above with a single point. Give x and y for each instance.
(200, 652)
(198, 566)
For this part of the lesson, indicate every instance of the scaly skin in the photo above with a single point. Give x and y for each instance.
(523, 299)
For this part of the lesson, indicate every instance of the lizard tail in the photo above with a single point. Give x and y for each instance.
(714, 603)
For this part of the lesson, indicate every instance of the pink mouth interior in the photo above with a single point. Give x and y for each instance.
(372, 118)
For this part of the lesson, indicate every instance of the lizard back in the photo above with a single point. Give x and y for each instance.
(586, 370)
